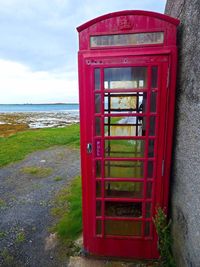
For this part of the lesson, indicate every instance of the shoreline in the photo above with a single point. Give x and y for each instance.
(11, 123)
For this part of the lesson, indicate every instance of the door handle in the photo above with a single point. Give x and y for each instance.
(89, 148)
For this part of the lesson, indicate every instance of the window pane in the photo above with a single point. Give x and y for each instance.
(98, 126)
(123, 228)
(124, 126)
(97, 79)
(153, 101)
(149, 190)
(127, 39)
(125, 78)
(98, 227)
(124, 148)
(150, 169)
(119, 120)
(98, 168)
(147, 229)
(123, 209)
(152, 126)
(98, 189)
(124, 189)
(125, 102)
(154, 77)
(148, 210)
(98, 208)
(151, 148)
(124, 169)
(119, 130)
(97, 103)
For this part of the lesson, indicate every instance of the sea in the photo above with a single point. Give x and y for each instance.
(7, 108)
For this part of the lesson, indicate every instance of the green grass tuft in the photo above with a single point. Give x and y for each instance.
(2, 203)
(7, 257)
(16, 147)
(164, 238)
(20, 238)
(39, 172)
(68, 210)
(3, 234)
(58, 179)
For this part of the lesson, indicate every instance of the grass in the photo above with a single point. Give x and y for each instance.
(2, 203)
(162, 225)
(58, 179)
(40, 172)
(20, 238)
(3, 234)
(68, 211)
(16, 147)
(7, 257)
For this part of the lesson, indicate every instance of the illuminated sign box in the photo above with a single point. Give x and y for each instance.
(127, 39)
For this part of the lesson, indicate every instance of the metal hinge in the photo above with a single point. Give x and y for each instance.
(163, 167)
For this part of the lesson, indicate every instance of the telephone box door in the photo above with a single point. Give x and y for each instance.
(123, 122)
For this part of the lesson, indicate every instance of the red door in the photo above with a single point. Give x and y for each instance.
(123, 120)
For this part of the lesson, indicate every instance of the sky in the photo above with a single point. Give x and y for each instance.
(39, 45)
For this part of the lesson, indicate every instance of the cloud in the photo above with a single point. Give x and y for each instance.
(36, 33)
(26, 86)
(39, 41)
(42, 34)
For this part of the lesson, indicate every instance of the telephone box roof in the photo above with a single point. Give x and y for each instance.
(126, 13)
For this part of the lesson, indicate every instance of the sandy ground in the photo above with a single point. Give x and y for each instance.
(25, 205)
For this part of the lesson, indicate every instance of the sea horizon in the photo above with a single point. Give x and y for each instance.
(54, 103)
(39, 107)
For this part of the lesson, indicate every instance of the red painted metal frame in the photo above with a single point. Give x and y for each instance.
(165, 57)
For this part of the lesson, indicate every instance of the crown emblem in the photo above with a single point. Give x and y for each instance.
(125, 23)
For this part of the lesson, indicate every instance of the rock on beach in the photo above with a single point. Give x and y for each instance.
(19, 121)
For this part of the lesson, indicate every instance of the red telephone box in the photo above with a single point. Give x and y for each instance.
(127, 73)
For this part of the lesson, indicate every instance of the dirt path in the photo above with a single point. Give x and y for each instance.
(26, 192)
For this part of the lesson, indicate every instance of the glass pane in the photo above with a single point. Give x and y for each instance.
(98, 168)
(119, 130)
(98, 227)
(151, 148)
(147, 229)
(149, 190)
(148, 210)
(123, 209)
(97, 79)
(153, 99)
(150, 169)
(125, 78)
(124, 169)
(123, 228)
(125, 102)
(98, 126)
(124, 126)
(98, 208)
(124, 189)
(98, 189)
(154, 77)
(120, 120)
(127, 39)
(152, 126)
(124, 148)
(97, 103)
